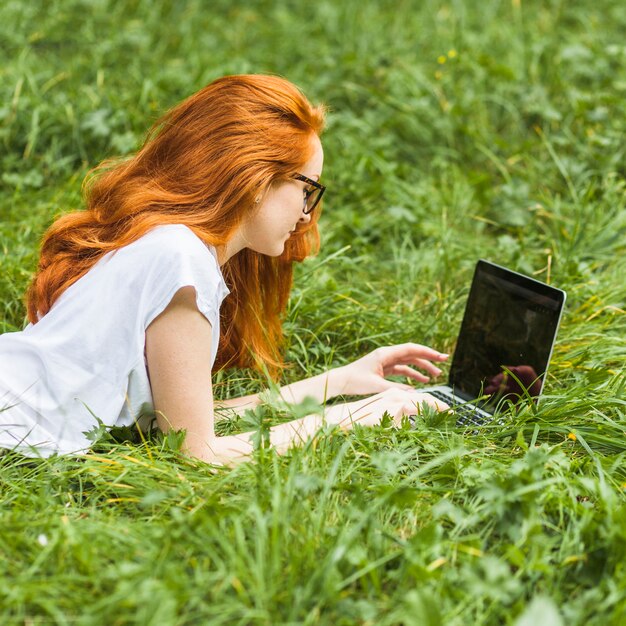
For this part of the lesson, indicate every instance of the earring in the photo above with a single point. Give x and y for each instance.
(257, 200)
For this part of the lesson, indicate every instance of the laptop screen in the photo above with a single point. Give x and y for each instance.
(506, 337)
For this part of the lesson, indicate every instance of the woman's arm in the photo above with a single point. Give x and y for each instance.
(367, 375)
(321, 388)
(177, 345)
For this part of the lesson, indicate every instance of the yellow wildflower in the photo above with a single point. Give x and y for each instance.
(441, 59)
(572, 436)
(452, 53)
(438, 75)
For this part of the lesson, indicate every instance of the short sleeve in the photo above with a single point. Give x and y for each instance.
(177, 258)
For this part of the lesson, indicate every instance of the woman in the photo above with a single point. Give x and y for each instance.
(182, 260)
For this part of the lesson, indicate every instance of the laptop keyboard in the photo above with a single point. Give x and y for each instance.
(467, 414)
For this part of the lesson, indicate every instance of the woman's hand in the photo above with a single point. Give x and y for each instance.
(368, 374)
(369, 412)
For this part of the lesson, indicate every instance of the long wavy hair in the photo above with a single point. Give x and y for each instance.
(202, 165)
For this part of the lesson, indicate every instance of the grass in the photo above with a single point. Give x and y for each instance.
(457, 131)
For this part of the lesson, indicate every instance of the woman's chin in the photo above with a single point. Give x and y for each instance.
(277, 250)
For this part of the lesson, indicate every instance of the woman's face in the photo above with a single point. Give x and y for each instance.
(280, 210)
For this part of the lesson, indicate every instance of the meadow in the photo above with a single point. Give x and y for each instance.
(457, 130)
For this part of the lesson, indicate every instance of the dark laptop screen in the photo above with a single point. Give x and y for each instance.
(506, 337)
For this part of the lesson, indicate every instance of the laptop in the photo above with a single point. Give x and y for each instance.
(504, 346)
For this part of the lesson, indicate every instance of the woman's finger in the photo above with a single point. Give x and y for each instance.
(405, 370)
(389, 384)
(408, 352)
(413, 408)
(427, 366)
(391, 359)
(434, 402)
(409, 372)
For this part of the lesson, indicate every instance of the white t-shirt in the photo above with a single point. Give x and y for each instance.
(85, 358)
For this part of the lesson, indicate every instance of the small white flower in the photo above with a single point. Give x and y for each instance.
(42, 540)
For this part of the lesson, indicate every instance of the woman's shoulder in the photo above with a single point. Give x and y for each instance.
(168, 243)
(174, 257)
(163, 254)
(172, 236)
(162, 261)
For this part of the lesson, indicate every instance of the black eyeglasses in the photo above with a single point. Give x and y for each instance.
(312, 194)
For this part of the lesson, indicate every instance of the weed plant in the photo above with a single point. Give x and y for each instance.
(457, 130)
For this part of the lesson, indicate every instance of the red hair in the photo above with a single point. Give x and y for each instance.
(202, 165)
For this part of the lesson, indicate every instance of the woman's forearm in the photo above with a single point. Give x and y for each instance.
(232, 449)
(240, 404)
(321, 388)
